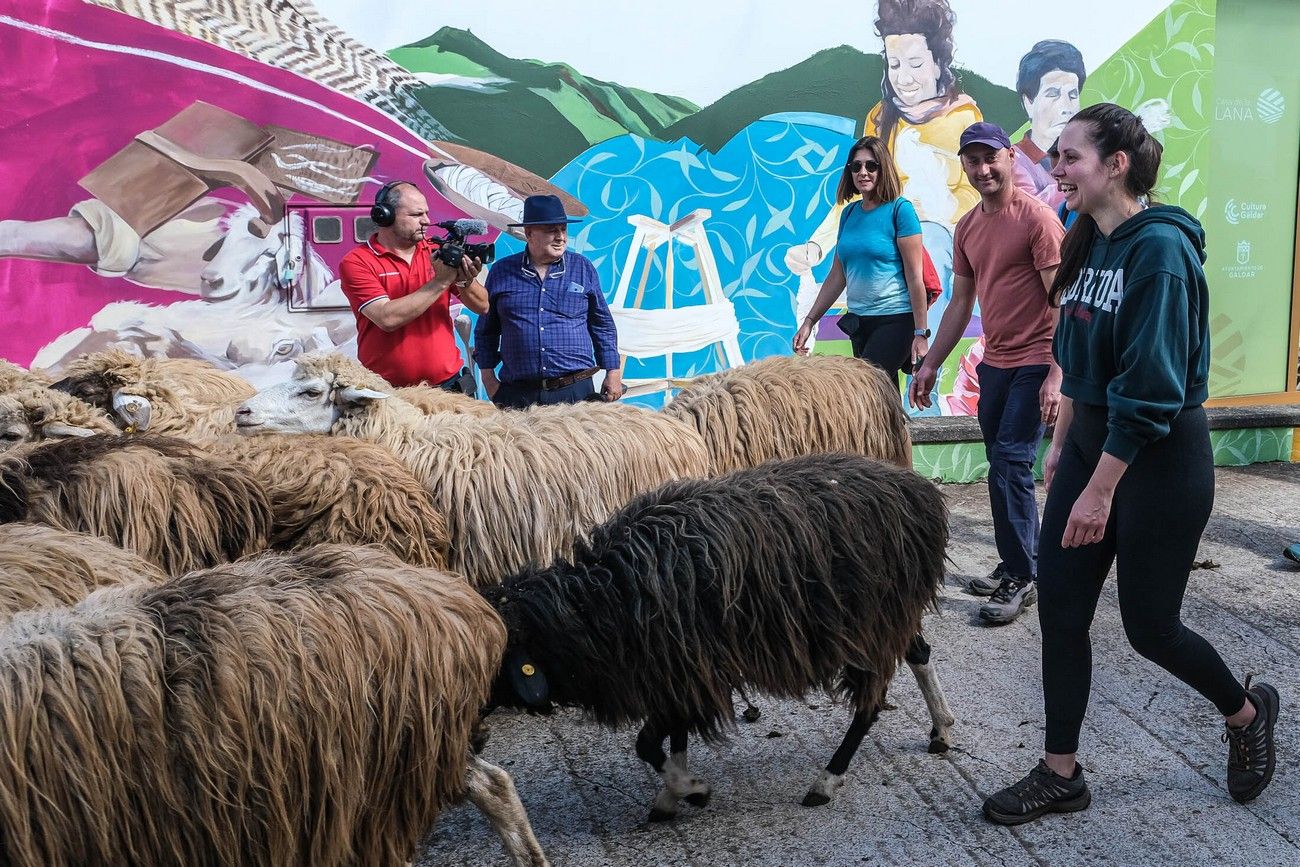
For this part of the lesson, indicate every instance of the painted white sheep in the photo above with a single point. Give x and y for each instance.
(517, 487)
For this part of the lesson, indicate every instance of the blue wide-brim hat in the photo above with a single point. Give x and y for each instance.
(544, 211)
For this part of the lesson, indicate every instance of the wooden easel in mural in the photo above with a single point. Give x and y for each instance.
(659, 333)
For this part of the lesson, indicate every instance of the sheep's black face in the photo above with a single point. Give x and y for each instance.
(521, 683)
(95, 389)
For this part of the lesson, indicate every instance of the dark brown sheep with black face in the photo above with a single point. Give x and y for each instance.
(164, 499)
(809, 573)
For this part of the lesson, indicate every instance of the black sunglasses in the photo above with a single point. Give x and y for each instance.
(858, 165)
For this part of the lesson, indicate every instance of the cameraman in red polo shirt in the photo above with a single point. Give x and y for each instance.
(399, 294)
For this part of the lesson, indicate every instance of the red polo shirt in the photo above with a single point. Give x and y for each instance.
(422, 350)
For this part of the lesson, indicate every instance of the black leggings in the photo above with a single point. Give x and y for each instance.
(885, 341)
(1159, 510)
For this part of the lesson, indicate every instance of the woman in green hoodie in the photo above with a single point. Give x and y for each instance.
(1130, 474)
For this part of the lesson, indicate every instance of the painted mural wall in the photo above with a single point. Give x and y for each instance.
(183, 180)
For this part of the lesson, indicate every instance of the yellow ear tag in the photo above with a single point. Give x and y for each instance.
(130, 428)
(528, 670)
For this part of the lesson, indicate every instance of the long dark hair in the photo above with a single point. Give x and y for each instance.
(888, 187)
(932, 19)
(1111, 129)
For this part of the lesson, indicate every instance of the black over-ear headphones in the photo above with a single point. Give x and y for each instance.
(384, 212)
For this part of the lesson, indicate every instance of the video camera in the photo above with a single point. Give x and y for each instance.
(452, 248)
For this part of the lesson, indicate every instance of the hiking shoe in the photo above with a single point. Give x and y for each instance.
(989, 584)
(1041, 791)
(1250, 748)
(1292, 552)
(1010, 600)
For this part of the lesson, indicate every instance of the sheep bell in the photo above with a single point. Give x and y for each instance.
(133, 411)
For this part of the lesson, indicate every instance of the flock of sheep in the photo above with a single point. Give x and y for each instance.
(223, 645)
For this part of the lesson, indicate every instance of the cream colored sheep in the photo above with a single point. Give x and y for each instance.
(787, 406)
(516, 487)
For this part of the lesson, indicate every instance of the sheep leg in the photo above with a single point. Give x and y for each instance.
(867, 698)
(493, 792)
(678, 782)
(941, 718)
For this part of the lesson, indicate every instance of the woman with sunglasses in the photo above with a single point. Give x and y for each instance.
(877, 263)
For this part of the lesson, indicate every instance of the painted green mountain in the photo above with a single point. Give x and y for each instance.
(840, 81)
(537, 115)
(541, 115)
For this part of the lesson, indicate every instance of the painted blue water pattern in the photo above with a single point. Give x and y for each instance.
(767, 189)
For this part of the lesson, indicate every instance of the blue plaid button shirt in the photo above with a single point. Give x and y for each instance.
(541, 329)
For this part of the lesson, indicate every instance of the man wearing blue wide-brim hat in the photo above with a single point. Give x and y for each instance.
(547, 323)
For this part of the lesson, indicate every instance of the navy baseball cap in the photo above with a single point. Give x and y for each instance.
(986, 134)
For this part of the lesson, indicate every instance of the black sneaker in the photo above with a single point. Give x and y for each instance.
(1010, 600)
(1041, 791)
(1250, 748)
(989, 584)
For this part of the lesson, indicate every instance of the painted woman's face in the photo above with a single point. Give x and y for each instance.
(911, 68)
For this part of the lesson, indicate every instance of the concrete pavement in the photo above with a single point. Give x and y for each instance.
(1151, 746)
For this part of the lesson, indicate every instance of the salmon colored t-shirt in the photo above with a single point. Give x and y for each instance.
(1003, 252)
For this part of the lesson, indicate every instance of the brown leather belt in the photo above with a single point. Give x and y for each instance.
(558, 381)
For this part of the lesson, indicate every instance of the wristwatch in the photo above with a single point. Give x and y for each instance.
(919, 333)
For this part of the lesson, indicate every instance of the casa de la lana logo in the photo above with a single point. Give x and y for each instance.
(1267, 108)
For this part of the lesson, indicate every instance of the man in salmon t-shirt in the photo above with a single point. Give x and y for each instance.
(1005, 253)
(400, 297)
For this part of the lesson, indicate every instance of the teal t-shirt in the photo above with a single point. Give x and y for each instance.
(868, 251)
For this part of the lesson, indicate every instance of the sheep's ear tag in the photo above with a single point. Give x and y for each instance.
(527, 679)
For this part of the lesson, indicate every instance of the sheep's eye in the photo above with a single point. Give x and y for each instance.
(10, 436)
(311, 392)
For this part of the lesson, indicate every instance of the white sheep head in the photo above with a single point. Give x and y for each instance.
(311, 402)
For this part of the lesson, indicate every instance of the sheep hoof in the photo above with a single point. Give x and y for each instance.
(816, 799)
(938, 746)
(751, 714)
(699, 799)
(658, 815)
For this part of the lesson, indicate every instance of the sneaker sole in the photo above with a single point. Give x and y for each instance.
(1272, 704)
(1003, 620)
(1074, 805)
(979, 589)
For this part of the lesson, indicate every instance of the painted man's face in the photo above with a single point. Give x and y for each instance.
(1052, 107)
(912, 70)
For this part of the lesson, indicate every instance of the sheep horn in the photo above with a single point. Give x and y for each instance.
(58, 429)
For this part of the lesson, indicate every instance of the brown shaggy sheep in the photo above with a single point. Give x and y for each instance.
(41, 567)
(13, 376)
(33, 413)
(309, 708)
(174, 396)
(337, 489)
(161, 498)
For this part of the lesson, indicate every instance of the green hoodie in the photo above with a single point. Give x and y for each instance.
(1134, 330)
